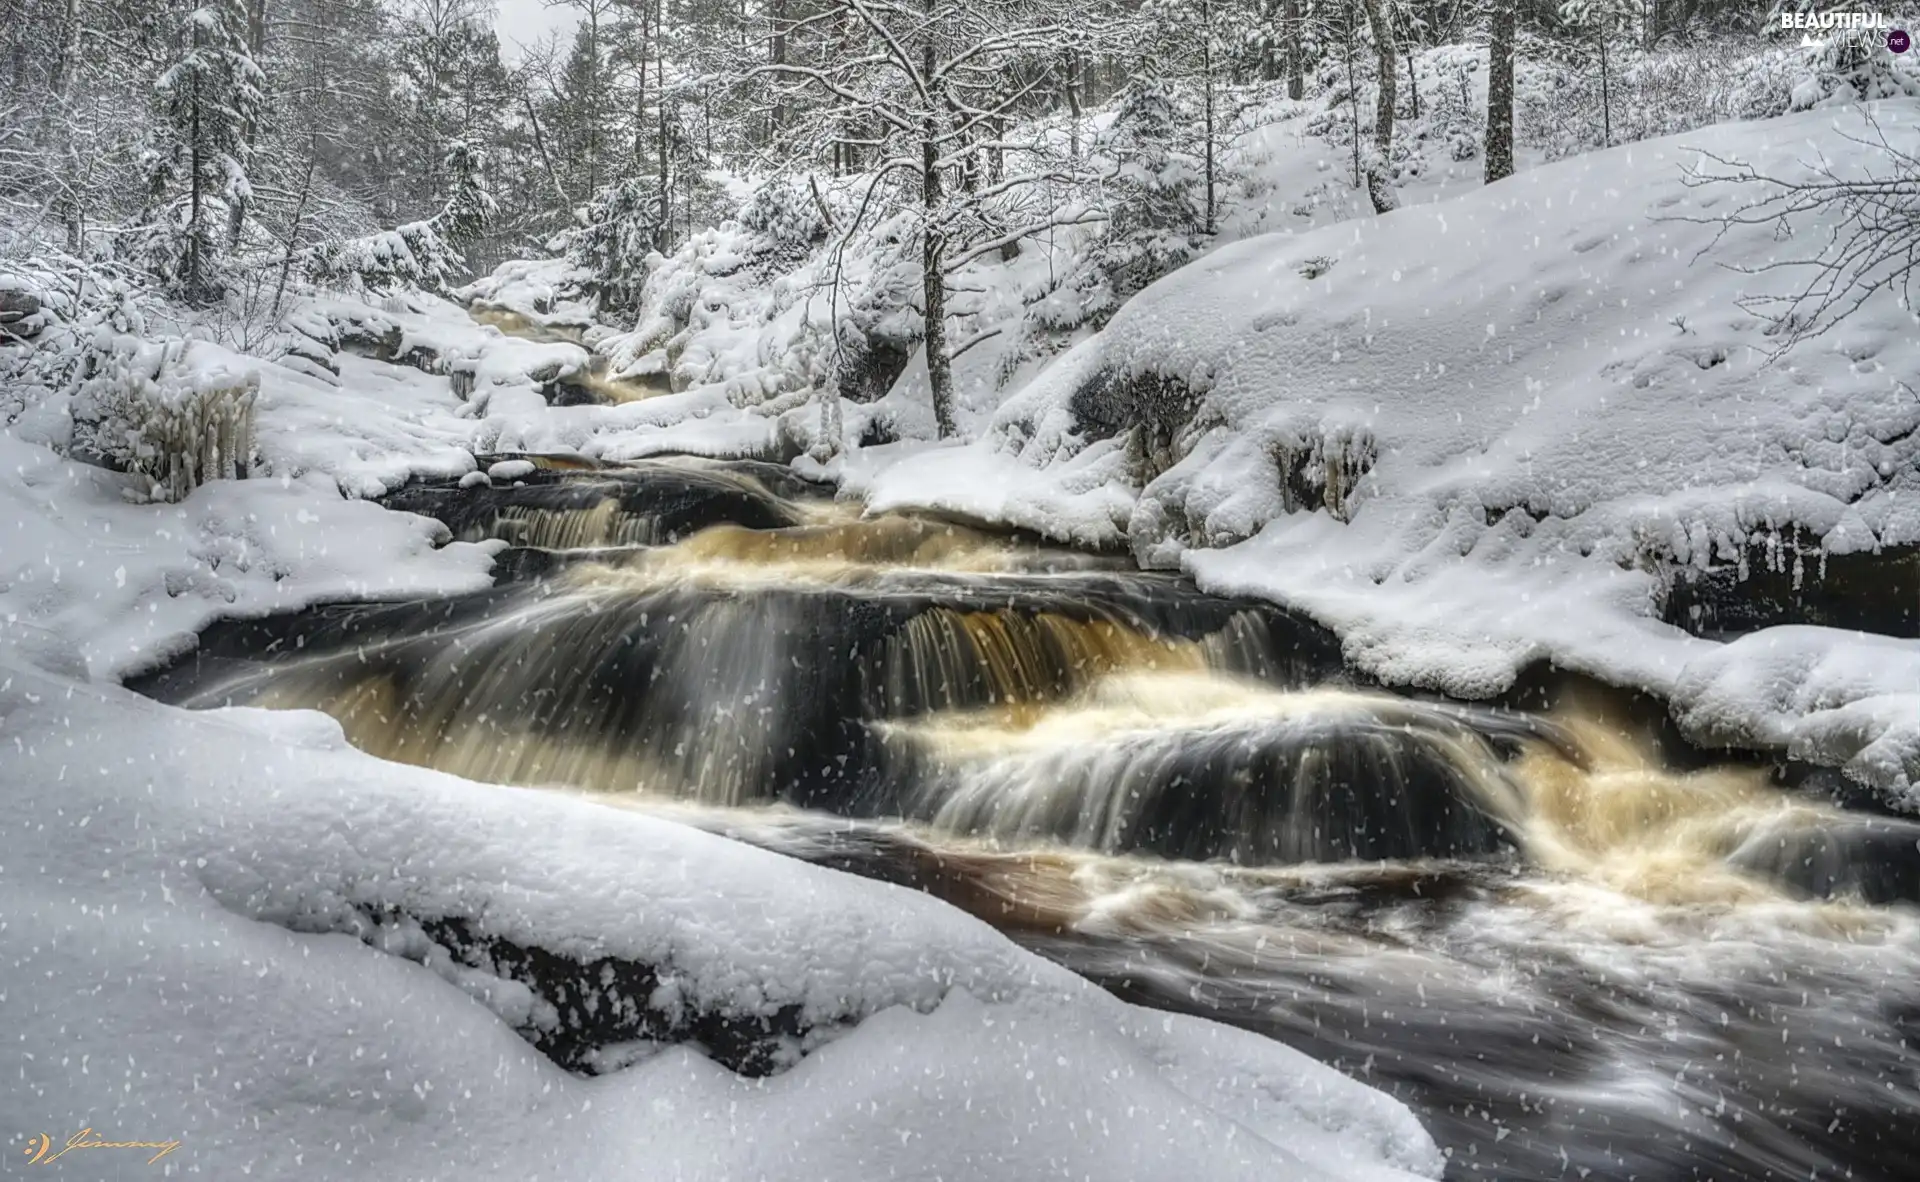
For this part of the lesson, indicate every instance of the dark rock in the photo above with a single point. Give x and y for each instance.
(1868, 592)
(20, 314)
(874, 368)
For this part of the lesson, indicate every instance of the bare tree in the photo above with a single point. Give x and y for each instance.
(1863, 228)
(930, 79)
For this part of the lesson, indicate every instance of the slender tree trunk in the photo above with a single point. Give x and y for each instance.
(546, 158)
(1500, 92)
(1378, 188)
(777, 55)
(194, 261)
(66, 47)
(1413, 80)
(1606, 97)
(660, 82)
(1073, 103)
(293, 235)
(939, 365)
(1296, 54)
(256, 27)
(640, 102)
(1353, 98)
(1269, 50)
(1209, 112)
(595, 110)
(66, 51)
(1383, 46)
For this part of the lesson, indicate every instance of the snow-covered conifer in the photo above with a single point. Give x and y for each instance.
(1153, 193)
(213, 98)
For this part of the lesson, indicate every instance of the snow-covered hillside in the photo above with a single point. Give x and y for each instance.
(1476, 434)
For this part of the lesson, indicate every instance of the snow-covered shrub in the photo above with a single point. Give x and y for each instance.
(49, 351)
(786, 221)
(1668, 91)
(414, 255)
(1852, 66)
(1454, 113)
(148, 411)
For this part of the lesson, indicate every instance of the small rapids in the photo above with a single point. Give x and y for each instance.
(1572, 950)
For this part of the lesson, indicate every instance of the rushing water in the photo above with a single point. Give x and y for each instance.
(591, 385)
(1572, 957)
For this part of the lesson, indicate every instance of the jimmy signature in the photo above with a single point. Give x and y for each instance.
(42, 1149)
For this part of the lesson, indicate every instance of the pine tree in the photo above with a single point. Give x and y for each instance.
(470, 207)
(622, 224)
(1154, 198)
(212, 101)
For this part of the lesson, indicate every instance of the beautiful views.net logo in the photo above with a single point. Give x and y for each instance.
(1815, 27)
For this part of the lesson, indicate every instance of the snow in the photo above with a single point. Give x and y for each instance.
(1842, 699)
(1465, 439)
(128, 582)
(215, 933)
(1497, 429)
(180, 926)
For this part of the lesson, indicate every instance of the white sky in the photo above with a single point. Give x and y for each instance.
(522, 22)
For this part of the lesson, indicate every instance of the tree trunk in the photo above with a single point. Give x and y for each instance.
(1500, 93)
(1378, 188)
(293, 236)
(65, 47)
(640, 101)
(777, 55)
(1296, 54)
(1269, 52)
(1208, 112)
(1073, 103)
(256, 27)
(1413, 80)
(660, 81)
(1353, 94)
(594, 107)
(939, 365)
(1383, 47)
(194, 165)
(1606, 97)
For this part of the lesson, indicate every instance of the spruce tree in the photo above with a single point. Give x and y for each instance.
(1154, 199)
(212, 101)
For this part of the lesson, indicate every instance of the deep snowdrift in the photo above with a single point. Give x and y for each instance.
(1474, 434)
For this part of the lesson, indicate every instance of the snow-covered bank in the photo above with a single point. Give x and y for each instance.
(1469, 440)
(184, 934)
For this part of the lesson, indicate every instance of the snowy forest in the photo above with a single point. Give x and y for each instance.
(989, 590)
